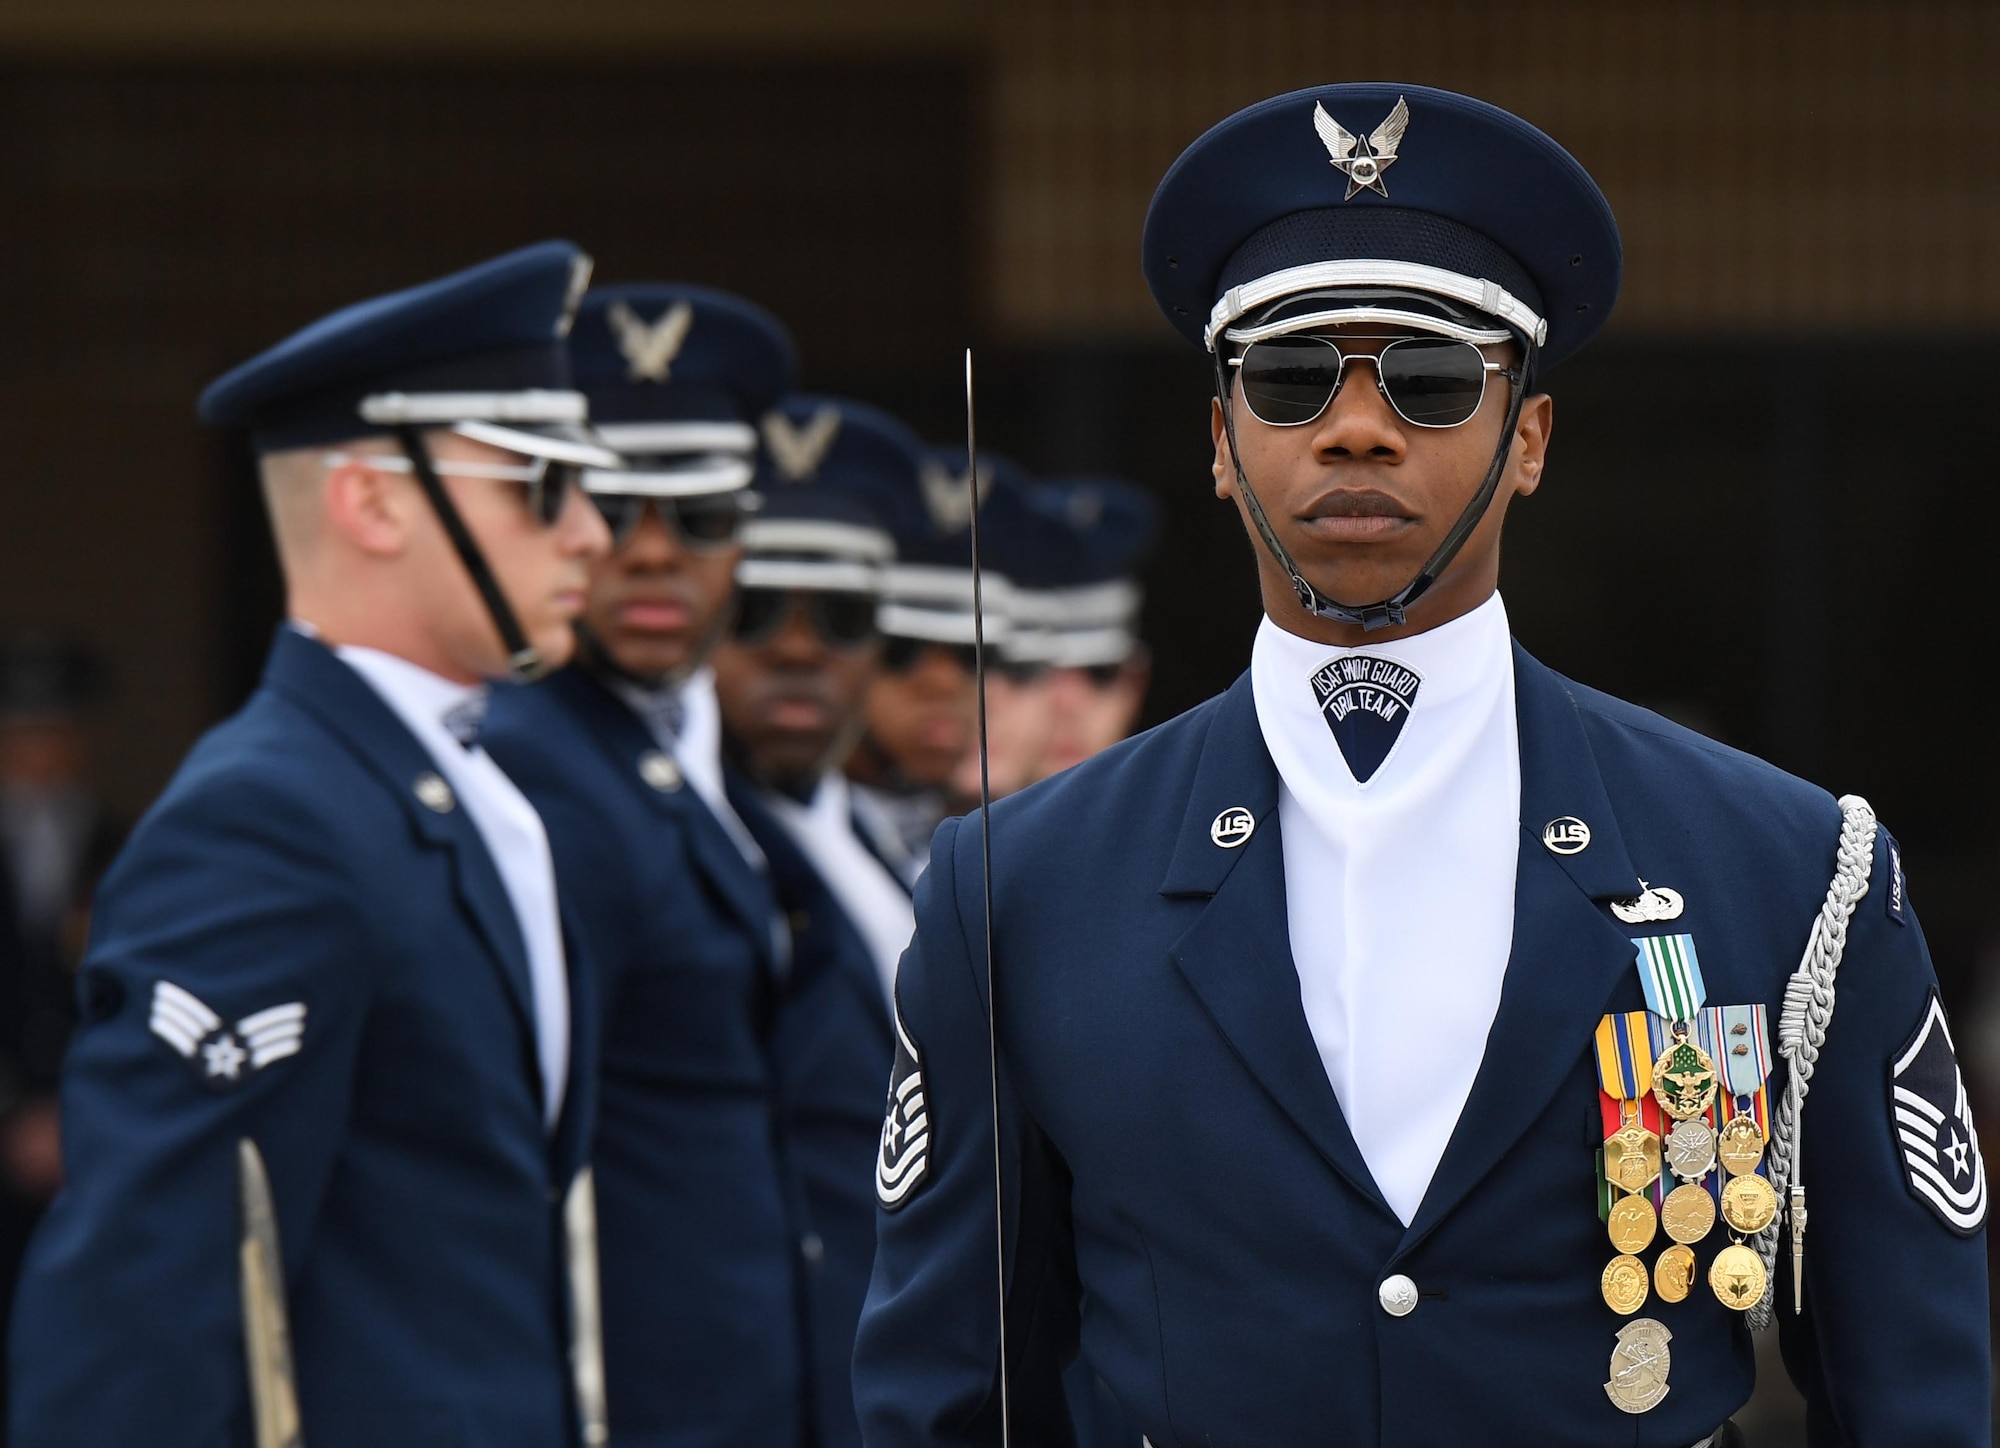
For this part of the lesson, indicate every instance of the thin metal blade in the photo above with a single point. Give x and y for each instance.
(986, 882)
(267, 1340)
(586, 1340)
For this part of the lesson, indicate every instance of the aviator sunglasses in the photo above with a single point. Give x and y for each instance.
(703, 522)
(1430, 381)
(546, 482)
(843, 620)
(900, 654)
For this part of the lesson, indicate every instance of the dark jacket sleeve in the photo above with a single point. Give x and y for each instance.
(927, 1359)
(127, 1325)
(1893, 1344)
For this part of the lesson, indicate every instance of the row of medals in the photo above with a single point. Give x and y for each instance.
(1685, 1085)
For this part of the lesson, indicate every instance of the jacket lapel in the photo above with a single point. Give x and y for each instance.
(629, 742)
(1237, 957)
(1568, 955)
(314, 677)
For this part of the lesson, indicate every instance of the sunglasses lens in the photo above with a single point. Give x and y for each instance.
(1288, 381)
(899, 654)
(1104, 676)
(553, 491)
(1433, 381)
(620, 511)
(706, 521)
(847, 618)
(759, 612)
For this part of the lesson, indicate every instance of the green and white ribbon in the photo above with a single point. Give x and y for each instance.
(1671, 975)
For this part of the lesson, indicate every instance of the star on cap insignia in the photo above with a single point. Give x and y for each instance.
(1363, 159)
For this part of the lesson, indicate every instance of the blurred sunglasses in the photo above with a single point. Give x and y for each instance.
(1429, 381)
(546, 481)
(705, 522)
(900, 655)
(843, 620)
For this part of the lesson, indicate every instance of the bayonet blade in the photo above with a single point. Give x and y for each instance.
(267, 1342)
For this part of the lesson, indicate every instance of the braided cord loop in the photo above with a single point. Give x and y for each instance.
(1802, 1024)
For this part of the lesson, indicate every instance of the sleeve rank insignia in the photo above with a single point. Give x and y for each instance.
(222, 1055)
(904, 1161)
(1933, 1124)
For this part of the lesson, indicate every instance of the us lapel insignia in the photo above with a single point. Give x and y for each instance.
(650, 348)
(903, 1164)
(223, 1056)
(1363, 159)
(433, 793)
(1566, 836)
(658, 769)
(1933, 1124)
(1653, 902)
(1233, 827)
(1366, 700)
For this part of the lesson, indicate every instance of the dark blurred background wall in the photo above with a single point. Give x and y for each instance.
(1772, 484)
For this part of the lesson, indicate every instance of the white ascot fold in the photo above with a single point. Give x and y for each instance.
(1400, 891)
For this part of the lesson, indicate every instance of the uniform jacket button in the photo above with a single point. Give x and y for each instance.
(1398, 1295)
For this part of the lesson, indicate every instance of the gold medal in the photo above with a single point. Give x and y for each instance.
(1632, 1157)
(1639, 1366)
(1673, 1274)
(1690, 1149)
(1624, 1285)
(1688, 1214)
(1631, 1224)
(1748, 1204)
(1737, 1275)
(1740, 1145)
(1684, 1079)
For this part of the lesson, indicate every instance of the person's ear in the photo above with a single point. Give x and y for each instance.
(369, 507)
(1531, 443)
(1223, 467)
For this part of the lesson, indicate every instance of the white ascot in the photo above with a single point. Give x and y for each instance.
(1400, 891)
(513, 835)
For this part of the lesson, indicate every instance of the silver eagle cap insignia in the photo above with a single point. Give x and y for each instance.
(1363, 159)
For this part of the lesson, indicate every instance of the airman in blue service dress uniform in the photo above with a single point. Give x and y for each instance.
(738, 1056)
(336, 938)
(1356, 1086)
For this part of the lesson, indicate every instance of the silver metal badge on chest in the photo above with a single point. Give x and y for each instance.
(1653, 902)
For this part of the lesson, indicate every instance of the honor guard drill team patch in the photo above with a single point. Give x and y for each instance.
(904, 1161)
(224, 1056)
(1933, 1124)
(1366, 701)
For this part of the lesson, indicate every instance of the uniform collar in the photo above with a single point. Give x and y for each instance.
(1559, 779)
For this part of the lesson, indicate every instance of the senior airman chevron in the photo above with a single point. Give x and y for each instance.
(1671, 974)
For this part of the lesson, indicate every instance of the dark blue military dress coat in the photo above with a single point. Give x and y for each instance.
(1182, 1188)
(417, 1187)
(741, 1092)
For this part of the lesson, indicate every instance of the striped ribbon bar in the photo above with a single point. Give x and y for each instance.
(1625, 1056)
(1671, 975)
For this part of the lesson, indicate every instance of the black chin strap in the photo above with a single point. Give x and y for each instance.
(524, 660)
(1393, 610)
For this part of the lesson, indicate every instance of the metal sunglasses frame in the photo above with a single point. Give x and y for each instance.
(1390, 343)
(533, 475)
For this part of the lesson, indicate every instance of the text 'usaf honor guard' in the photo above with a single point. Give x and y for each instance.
(333, 1060)
(1405, 1047)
